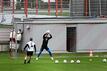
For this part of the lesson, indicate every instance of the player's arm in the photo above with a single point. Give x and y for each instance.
(35, 47)
(26, 46)
(44, 36)
(50, 36)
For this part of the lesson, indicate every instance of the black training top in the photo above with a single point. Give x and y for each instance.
(46, 39)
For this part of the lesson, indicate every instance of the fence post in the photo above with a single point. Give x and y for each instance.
(36, 7)
(26, 7)
(89, 9)
(100, 6)
(48, 7)
(2, 5)
(56, 1)
(86, 7)
(61, 7)
(13, 7)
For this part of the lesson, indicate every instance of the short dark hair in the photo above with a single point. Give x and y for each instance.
(20, 30)
(31, 39)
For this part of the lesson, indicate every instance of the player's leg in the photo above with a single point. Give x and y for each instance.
(29, 59)
(14, 54)
(30, 55)
(10, 49)
(27, 54)
(47, 49)
(18, 45)
(10, 52)
(39, 53)
(25, 59)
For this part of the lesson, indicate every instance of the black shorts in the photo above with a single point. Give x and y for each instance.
(18, 41)
(46, 48)
(29, 53)
(12, 39)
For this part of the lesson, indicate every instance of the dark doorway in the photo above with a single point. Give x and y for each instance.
(71, 39)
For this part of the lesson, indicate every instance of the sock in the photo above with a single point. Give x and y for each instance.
(52, 58)
(24, 61)
(25, 57)
(28, 61)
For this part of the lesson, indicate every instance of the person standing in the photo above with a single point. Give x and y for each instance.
(18, 38)
(29, 48)
(46, 37)
(12, 42)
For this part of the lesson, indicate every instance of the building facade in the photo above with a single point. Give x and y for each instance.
(68, 35)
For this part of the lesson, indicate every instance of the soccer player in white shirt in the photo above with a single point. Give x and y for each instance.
(29, 48)
(12, 41)
(18, 38)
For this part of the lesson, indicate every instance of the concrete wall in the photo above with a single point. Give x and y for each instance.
(92, 36)
(58, 31)
(4, 38)
(89, 36)
(4, 34)
(4, 47)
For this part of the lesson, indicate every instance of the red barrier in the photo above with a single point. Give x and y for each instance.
(60, 7)
(86, 7)
(26, 7)
(2, 5)
(36, 7)
(48, 7)
(56, 1)
(13, 7)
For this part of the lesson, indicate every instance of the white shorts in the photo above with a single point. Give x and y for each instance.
(12, 46)
(17, 46)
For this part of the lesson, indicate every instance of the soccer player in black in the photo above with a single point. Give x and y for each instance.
(46, 38)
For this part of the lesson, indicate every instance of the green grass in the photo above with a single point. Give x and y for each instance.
(45, 64)
(52, 13)
(45, 12)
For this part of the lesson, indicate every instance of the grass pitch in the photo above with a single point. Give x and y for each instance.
(46, 64)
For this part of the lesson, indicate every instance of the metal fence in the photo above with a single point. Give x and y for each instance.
(70, 8)
(93, 8)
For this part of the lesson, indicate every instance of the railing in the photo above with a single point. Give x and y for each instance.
(70, 8)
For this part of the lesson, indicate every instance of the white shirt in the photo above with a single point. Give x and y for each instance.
(31, 46)
(12, 34)
(18, 37)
